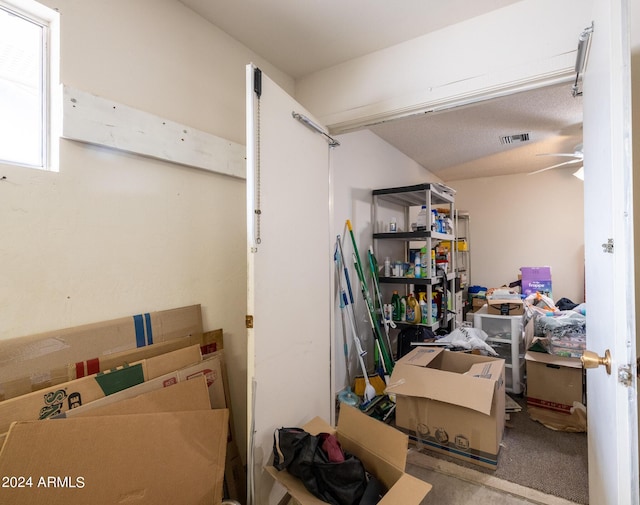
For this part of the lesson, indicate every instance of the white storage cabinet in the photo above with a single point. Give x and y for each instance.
(506, 336)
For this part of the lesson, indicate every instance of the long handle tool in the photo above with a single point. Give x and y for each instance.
(345, 306)
(377, 333)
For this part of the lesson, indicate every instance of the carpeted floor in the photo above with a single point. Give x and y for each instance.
(536, 457)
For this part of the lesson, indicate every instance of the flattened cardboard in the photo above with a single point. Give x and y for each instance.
(451, 402)
(33, 362)
(165, 457)
(382, 450)
(208, 370)
(181, 397)
(52, 401)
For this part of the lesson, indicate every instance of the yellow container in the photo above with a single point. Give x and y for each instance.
(462, 245)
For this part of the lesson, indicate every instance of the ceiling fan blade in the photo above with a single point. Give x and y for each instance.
(568, 155)
(554, 166)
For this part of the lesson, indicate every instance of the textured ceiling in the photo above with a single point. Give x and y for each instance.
(464, 143)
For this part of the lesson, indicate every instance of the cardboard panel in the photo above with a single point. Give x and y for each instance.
(166, 457)
(32, 362)
(52, 401)
(180, 397)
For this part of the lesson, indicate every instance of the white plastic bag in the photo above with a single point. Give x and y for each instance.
(469, 338)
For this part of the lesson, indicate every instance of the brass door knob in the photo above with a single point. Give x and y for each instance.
(592, 360)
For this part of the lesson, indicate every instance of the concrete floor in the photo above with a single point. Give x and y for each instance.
(456, 485)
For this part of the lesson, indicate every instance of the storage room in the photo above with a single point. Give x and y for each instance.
(273, 253)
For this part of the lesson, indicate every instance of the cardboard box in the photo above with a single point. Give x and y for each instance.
(477, 303)
(382, 450)
(554, 382)
(60, 398)
(504, 307)
(536, 279)
(452, 402)
(504, 302)
(38, 361)
(104, 460)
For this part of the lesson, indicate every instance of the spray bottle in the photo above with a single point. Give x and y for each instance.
(424, 309)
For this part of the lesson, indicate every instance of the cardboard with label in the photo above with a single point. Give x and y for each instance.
(37, 361)
(452, 402)
(555, 386)
(51, 401)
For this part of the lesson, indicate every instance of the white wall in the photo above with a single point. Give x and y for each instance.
(112, 234)
(362, 163)
(525, 221)
(505, 49)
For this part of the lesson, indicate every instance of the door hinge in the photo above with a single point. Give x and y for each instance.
(625, 376)
(608, 247)
(248, 321)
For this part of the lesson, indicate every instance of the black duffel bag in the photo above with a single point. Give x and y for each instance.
(333, 478)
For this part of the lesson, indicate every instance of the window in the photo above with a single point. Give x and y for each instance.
(28, 72)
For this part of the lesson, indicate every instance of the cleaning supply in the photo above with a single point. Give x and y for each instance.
(413, 310)
(417, 263)
(403, 308)
(395, 302)
(421, 221)
(424, 309)
(433, 262)
(434, 308)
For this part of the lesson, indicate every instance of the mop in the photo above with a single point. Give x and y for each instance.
(347, 395)
(387, 360)
(369, 390)
(373, 267)
(376, 381)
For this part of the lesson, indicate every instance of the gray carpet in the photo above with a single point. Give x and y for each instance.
(536, 457)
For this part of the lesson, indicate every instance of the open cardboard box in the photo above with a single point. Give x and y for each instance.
(452, 402)
(382, 450)
(112, 455)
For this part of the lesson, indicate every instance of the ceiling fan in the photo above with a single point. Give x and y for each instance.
(577, 156)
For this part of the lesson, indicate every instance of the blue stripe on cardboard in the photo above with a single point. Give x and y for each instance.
(139, 327)
(147, 319)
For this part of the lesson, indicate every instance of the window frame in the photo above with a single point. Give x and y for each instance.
(51, 118)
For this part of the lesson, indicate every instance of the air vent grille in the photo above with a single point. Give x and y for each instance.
(512, 139)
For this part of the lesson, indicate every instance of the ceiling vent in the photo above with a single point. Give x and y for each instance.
(512, 139)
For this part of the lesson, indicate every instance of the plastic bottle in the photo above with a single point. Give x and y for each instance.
(387, 267)
(434, 220)
(403, 308)
(433, 262)
(393, 225)
(413, 309)
(424, 265)
(424, 309)
(434, 308)
(395, 301)
(421, 221)
(417, 273)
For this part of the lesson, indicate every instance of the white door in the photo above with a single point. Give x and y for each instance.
(289, 274)
(612, 408)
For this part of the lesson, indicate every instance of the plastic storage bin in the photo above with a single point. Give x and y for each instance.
(506, 336)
